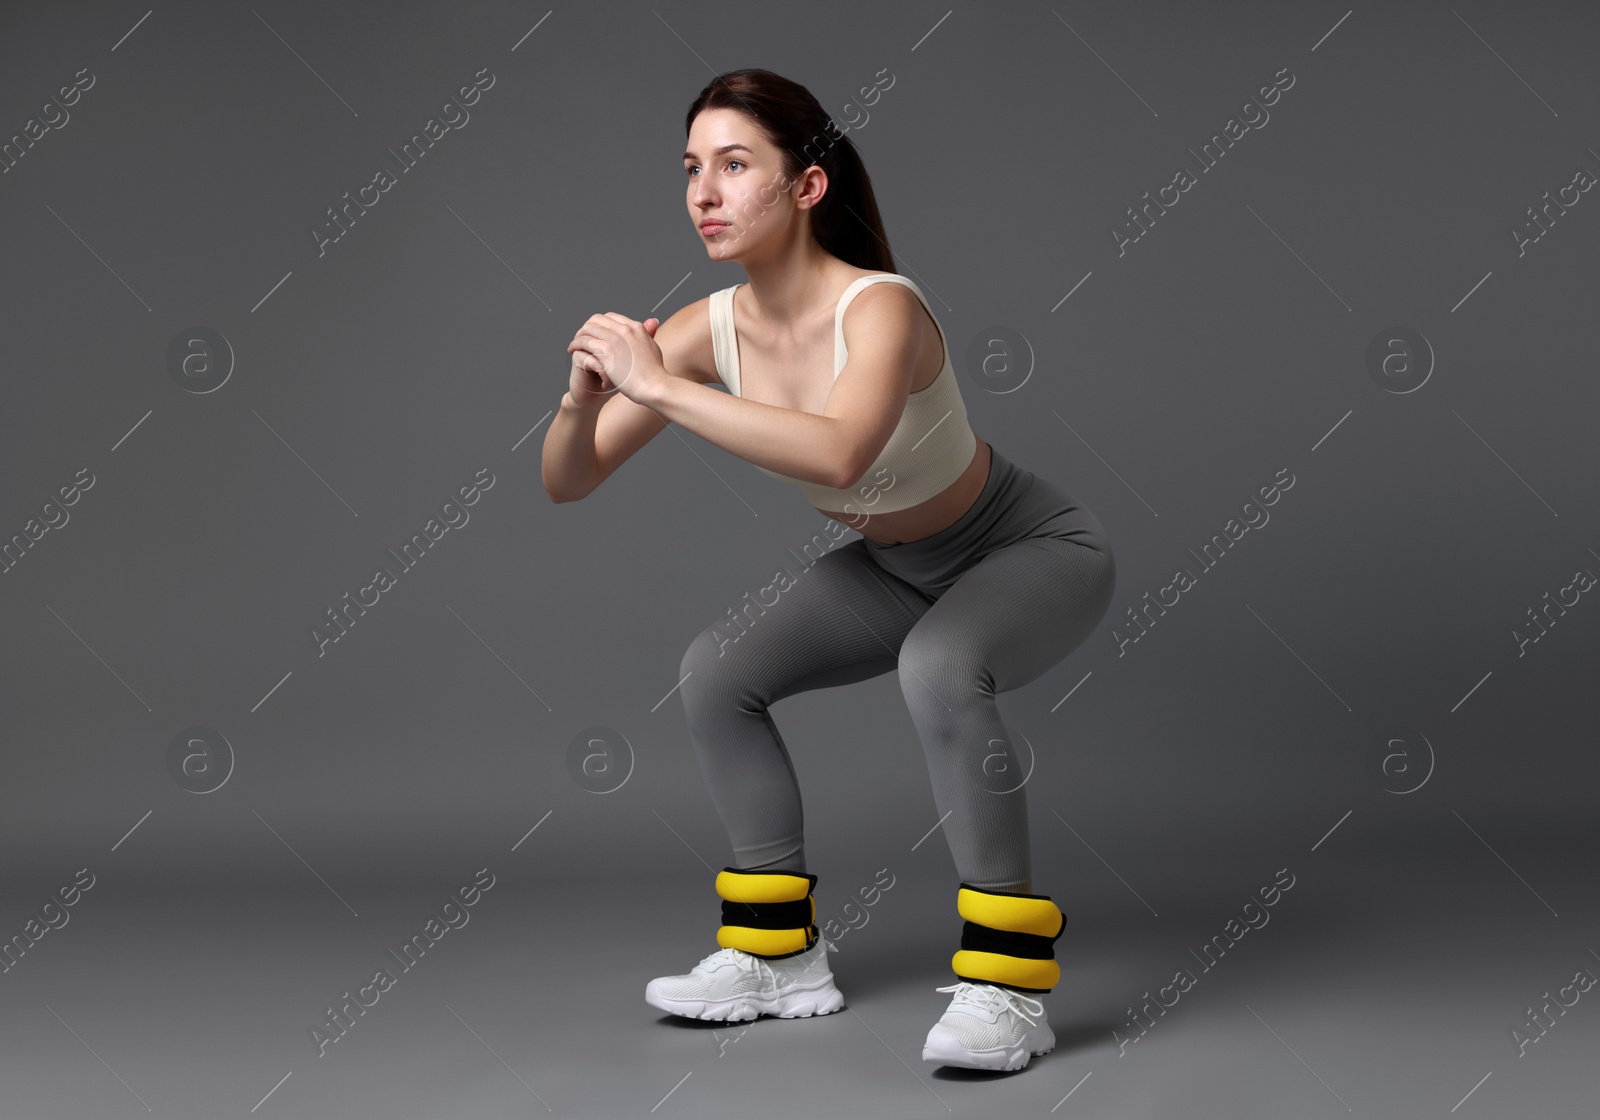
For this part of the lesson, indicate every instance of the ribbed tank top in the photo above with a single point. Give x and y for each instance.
(931, 446)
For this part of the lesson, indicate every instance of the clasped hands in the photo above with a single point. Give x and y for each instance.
(622, 354)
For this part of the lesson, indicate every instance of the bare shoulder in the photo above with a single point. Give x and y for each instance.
(685, 341)
(888, 307)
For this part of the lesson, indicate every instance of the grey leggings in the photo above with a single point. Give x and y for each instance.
(984, 606)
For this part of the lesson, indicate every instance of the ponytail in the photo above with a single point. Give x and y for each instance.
(846, 223)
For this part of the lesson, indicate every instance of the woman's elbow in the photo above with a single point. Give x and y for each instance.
(559, 496)
(846, 476)
(850, 462)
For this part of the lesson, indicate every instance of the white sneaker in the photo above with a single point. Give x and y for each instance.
(988, 1027)
(733, 985)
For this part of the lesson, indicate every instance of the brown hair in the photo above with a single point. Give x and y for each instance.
(846, 222)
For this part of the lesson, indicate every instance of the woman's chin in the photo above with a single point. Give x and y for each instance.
(721, 247)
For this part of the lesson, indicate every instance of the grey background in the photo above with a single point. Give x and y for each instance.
(1245, 732)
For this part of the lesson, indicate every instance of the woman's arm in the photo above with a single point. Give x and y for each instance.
(863, 409)
(584, 446)
(798, 444)
(570, 467)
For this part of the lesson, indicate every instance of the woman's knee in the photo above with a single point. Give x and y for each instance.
(1103, 582)
(939, 674)
(703, 662)
(722, 665)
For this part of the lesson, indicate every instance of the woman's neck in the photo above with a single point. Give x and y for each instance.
(789, 292)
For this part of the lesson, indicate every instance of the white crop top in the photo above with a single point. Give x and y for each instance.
(930, 447)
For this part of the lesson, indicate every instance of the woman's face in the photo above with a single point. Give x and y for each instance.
(736, 182)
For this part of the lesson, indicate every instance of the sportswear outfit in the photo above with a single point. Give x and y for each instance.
(984, 606)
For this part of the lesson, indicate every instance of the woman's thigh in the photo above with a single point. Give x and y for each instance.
(1010, 617)
(839, 621)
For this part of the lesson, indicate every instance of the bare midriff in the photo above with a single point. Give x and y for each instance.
(944, 509)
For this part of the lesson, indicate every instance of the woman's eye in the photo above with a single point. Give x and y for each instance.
(732, 162)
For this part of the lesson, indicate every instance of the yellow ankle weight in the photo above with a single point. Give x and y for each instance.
(1008, 939)
(767, 913)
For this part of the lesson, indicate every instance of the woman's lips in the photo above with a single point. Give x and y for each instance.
(711, 229)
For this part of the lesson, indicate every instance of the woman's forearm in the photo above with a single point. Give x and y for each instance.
(568, 465)
(799, 444)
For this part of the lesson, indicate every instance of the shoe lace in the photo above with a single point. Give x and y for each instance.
(988, 997)
(740, 959)
(749, 962)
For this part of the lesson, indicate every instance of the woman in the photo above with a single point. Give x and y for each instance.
(972, 576)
